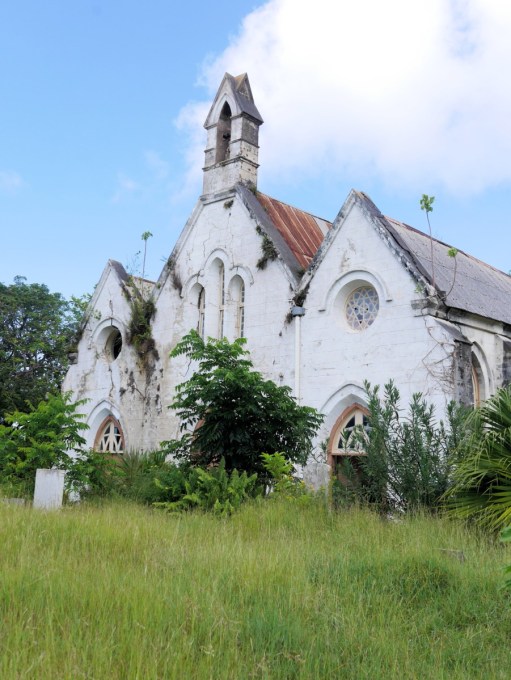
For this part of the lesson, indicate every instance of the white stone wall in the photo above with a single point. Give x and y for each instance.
(403, 343)
(109, 386)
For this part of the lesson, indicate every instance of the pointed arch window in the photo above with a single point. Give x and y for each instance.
(237, 305)
(201, 306)
(240, 311)
(223, 138)
(110, 438)
(477, 375)
(347, 440)
(221, 300)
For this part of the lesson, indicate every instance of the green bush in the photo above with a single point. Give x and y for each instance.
(215, 490)
(41, 438)
(481, 490)
(410, 458)
(230, 411)
(148, 478)
(283, 482)
(92, 474)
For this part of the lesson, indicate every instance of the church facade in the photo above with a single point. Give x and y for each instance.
(323, 306)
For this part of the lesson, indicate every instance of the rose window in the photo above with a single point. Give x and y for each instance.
(362, 307)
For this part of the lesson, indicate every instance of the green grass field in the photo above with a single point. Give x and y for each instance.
(276, 591)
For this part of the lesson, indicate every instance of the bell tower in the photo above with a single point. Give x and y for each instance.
(233, 136)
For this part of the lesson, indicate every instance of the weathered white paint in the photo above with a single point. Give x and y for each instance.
(319, 355)
(49, 489)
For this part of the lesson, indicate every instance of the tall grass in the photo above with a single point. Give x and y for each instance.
(276, 591)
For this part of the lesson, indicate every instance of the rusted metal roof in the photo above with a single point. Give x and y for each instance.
(302, 231)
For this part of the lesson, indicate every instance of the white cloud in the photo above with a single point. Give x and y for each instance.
(125, 187)
(156, 164)
(10, 181)
(407, 92)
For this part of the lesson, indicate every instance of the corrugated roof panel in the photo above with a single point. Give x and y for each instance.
(469, 283)
(301, 230)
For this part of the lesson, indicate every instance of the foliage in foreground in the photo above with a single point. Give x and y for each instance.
(214, 490)
(283, 482)
(506, 538)
(410, 457)
(482, 480)
(236, 414)
(41, 438)
(36, 330)
(278, 591)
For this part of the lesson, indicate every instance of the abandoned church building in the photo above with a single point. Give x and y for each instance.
(323, 306)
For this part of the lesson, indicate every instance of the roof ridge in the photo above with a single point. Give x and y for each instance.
(447, 245)
(272, 198)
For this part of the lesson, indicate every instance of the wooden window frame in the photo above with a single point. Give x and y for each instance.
(332, 451)
(100, 433)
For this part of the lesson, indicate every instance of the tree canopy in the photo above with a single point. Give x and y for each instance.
(37, 328)
(228, 410)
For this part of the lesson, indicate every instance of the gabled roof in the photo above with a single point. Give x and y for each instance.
(468, 283)
(463, 281)
(238, 87)
(302, 231)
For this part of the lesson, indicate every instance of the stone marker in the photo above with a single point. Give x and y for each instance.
(49, 489)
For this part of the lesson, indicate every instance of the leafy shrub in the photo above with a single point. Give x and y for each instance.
(482, 478)
(236, 414)
(281, 470)
(92, 473)
(148, 478)
(410, 458)
(215, 490)
(506, 538)
(41, 438)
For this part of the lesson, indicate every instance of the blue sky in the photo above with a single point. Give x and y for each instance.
(102, 105)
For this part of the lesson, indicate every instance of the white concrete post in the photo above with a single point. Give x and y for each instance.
(49, 489)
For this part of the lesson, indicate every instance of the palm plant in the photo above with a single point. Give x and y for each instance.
(482, 479)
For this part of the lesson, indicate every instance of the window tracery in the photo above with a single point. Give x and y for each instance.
(347, 440)
(362, 307)
(110, 438)
(201, 306)
(221, 300)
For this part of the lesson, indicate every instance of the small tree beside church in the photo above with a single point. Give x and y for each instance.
(230, 411)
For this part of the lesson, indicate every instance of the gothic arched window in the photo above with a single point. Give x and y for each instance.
(109, 438)
(223, 135)
(201, 306)
(346, 444)
(221, 300)
(237, 301)
(477, 381)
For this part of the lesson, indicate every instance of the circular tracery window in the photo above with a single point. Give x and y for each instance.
(362, 307)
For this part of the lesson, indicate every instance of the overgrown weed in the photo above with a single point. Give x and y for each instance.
(277, 590)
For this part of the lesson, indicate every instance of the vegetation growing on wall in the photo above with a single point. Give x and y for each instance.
(268, 250)
(174, 274)
(142, 310)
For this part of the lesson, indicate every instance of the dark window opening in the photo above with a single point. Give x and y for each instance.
(114, 344)
(223, 138)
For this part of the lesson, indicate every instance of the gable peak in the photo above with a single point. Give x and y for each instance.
(237, 93)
